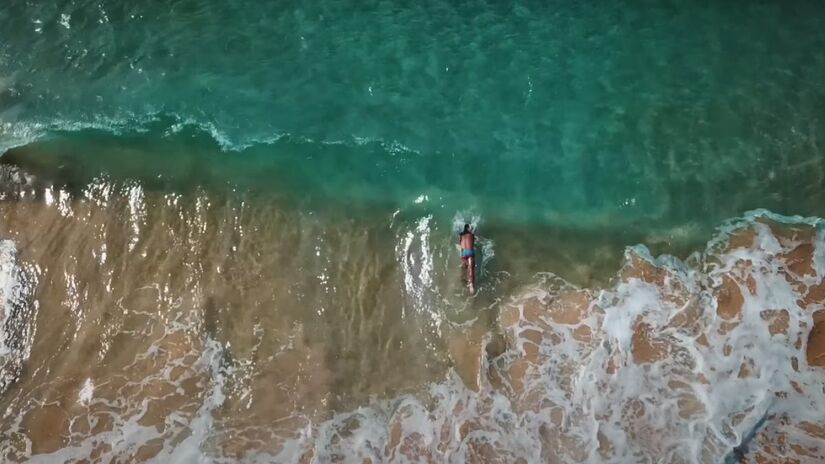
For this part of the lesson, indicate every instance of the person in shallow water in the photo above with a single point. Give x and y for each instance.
(467, 241)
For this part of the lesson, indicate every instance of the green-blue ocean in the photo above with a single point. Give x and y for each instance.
(228, 228)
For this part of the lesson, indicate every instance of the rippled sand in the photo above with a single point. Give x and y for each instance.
(159, 327)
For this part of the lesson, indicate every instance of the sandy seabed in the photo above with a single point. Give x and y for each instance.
(181, 352)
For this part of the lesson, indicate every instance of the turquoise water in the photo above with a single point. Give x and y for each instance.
(584, 114)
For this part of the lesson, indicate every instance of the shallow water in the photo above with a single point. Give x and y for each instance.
(155, 326)
(312, 312)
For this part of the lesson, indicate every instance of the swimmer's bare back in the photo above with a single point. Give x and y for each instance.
(467, 241)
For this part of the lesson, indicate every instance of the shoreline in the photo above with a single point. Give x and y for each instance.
(336, 177)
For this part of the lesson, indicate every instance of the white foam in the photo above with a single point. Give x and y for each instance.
(64, 20)
(86, 393)
(18, 312)
(9, 289)
(16, 133)
(185, 436)
(137, 213)
(415, 257)
(467, 217)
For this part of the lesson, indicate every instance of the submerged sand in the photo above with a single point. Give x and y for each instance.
(159, 327)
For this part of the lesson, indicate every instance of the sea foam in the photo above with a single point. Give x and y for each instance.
(704, 360)
(673, 362)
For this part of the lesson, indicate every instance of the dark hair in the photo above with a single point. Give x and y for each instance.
(466, 227)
